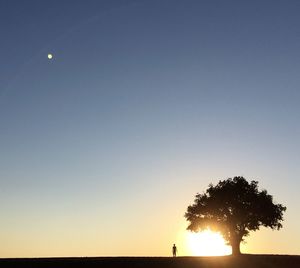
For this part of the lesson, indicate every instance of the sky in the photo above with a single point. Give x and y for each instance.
(143, 105)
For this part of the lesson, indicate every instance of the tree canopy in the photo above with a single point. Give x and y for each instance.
(234, 207)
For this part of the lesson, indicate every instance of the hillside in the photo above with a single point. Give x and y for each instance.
(245, 261)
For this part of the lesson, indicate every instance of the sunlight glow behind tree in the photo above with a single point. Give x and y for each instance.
(207, 243)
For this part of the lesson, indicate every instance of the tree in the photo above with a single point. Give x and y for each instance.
(234, 207)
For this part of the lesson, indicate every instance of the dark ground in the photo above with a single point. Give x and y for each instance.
(244, 261)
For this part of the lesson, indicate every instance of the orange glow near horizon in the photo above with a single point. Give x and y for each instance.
(207, 243)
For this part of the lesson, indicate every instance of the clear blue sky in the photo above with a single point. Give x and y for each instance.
(142, 106)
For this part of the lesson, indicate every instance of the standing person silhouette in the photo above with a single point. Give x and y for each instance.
(174, 250)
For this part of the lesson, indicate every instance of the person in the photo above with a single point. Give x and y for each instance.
(174, 250)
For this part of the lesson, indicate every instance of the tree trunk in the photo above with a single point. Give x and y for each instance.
(235, 245)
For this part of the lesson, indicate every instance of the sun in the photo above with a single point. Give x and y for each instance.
(207, 243)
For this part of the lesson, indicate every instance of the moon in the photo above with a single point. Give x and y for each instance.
(50, 56)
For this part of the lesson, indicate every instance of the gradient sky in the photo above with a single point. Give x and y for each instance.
(142, 106)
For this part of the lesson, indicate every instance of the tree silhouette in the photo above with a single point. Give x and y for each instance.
(234, 207)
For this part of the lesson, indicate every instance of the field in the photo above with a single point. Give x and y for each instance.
(244, 261)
